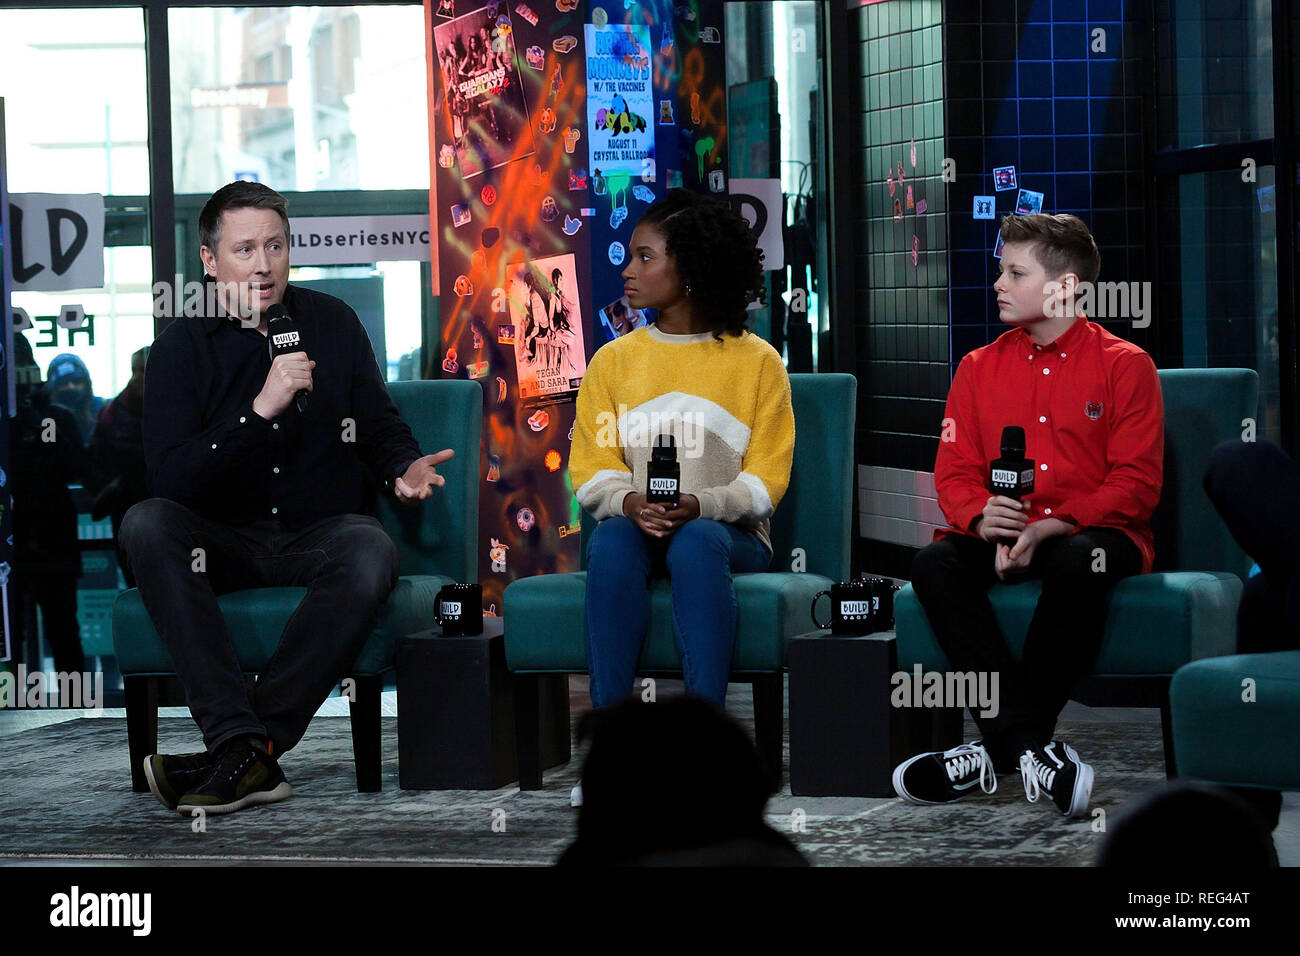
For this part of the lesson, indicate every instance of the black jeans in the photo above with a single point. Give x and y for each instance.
(1255, 488)
(348, 565)
(951, 578)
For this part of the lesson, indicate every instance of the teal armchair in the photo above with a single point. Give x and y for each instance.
(545, 614)
(1157, 622)
(435, 540)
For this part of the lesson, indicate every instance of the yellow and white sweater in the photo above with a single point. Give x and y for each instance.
(726, 404)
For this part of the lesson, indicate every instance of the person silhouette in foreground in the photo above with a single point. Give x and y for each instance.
(673, 783)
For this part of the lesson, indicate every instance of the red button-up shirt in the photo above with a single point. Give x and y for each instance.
(1093, 417)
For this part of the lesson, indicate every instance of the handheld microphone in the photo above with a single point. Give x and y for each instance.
(281, 338)
(1012, 475)
(664, 484)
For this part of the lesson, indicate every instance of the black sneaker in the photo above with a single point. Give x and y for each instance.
(172, 776)
(1057, 771)
(943, 777)
(243, 776)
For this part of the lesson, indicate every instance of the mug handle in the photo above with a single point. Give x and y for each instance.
(813, 611)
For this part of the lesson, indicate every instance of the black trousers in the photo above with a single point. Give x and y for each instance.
(951, 578)
(1255, 488)
(348, 565)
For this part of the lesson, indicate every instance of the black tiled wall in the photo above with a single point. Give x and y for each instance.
(901, 308)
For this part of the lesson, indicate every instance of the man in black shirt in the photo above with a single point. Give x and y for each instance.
(251, 492)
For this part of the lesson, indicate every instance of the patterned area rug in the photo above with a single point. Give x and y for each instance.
(67, 795)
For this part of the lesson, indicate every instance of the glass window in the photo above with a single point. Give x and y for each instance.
(299, 98)
(1222, 272)
(75, 106)
(1215, 72)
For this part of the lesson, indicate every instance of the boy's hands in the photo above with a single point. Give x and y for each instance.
(1013, 559)
(1003, 517)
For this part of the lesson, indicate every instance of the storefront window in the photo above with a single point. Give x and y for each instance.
(299, 98)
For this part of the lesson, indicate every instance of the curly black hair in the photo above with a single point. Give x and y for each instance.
(717, 256)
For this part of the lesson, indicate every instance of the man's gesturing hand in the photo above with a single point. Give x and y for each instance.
(289, 374)
(417, 482)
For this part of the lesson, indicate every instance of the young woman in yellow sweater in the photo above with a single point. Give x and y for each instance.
(723, 394)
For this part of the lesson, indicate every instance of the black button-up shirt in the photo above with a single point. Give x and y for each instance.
(207, 449)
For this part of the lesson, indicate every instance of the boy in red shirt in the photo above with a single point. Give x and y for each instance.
(1090, 407)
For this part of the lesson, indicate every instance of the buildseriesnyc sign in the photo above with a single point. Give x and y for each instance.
(353, 240)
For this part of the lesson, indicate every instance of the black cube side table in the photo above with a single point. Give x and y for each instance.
(845, 736)
(456, 712)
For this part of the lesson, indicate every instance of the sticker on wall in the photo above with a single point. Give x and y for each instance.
(643, 193)
(710, 35)
(446, 9)
(921, 207)
(488, 194)
(536, 58)
(912, 153)
(1028, 202)
(571, 137)
(898, 210)
(892, 187)
(477, 369)
(494, 467)
(446, 156)
(983, 208)
(564, 44)
(490, 236)
(552, 461)
(460, 214)
(502, 390)
(911, 203)
(717, 182)
(902, 176)
(478, 335)
(571, 225)
(525, 518)
(599, 18)
(1004, 178)
(587, 211)
(674, 179)
(997, 249)
(916, 248)
(546, 122)
(666, 113)
(539, 419)
(577, 179)
(566, 6)
(463, 286)
(666, 46)
(478, 262)
(525, 11)
(617, 253)
(505, 334)
(557, 83)
(449, 364)
(549, 209)
(497, 553)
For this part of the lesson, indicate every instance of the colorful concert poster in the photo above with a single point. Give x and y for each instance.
(481, 84)
(544, 307)
(620, 99)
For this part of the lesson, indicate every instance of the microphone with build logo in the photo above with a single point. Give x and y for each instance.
(664, 486)
(282, 338)
(1012, 475)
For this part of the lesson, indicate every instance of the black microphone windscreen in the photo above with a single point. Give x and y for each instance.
(1013, 442)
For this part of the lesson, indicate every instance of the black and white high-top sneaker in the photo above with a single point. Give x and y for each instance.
(1057, 771)
(945, 776)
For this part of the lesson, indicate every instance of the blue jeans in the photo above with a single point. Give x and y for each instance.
(700, 558)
